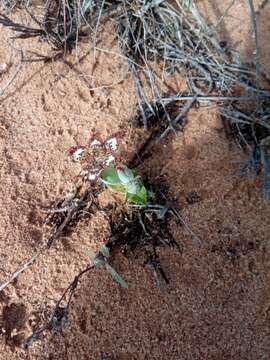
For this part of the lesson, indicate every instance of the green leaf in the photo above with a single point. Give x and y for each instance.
(125, 181)
(126, 175)
(116, 276)
(105, 251)
(140, 198)
(96, 259)
(98, 262)
(109, 177)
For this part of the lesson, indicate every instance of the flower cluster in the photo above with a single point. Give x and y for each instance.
(97, 155)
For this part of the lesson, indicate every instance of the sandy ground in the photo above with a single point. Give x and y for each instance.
(217, 305)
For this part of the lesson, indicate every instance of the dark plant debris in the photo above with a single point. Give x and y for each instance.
(137, 232)
(76, 205)
(162, 118)
(251, 129)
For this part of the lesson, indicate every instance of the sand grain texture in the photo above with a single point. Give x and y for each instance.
(218, 301)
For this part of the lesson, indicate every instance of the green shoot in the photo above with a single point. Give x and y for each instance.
(101, 259)
(124, 180)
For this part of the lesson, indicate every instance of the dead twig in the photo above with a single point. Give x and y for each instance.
(256, 38)
(60, 312)
(23, 267)
(179, 118)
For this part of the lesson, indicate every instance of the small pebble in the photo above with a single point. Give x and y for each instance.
(3, 68)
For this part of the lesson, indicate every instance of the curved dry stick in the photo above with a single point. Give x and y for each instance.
(22, 268)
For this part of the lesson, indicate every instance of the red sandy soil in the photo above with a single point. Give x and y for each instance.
(217, 305)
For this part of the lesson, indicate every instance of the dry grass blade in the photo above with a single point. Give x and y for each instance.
(24, 32)
(21, 269)
(178, 38)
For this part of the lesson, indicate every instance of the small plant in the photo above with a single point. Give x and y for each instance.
(100, 160)
(101, 259)
(126, 181)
